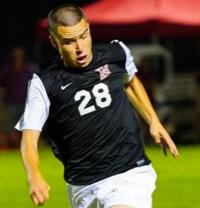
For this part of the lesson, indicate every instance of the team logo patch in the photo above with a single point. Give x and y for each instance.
(104, 71)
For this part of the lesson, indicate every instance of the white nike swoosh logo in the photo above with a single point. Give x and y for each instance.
(64, 87)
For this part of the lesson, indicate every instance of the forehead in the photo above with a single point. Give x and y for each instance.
(72, 31)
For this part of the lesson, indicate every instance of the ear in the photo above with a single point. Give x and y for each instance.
(53, 41)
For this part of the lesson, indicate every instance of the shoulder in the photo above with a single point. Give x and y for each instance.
(48, 71)
(112, 51)
(35, 82)
(122, 46)
(48, 65)
(114, 46)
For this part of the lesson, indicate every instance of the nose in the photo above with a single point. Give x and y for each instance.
(79, 46)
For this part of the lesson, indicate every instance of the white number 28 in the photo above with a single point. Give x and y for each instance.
(102, 98)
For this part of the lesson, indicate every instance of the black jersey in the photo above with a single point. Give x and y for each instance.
(92, 127)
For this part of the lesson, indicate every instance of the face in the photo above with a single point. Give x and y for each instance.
(74, 44)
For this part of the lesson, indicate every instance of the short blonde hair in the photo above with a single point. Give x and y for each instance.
(64, 15)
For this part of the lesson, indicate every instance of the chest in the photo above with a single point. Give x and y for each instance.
(84, 93)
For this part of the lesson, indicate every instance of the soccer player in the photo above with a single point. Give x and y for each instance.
(85, 97)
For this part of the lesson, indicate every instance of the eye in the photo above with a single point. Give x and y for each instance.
(84, 35)
(67, 41)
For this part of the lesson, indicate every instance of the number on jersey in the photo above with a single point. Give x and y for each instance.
(102, 98)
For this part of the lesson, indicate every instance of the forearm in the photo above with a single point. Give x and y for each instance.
(141, 101)
(29, 152)
(39, 188)
(137, 104)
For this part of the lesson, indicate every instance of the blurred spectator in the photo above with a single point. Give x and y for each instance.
(14, 77)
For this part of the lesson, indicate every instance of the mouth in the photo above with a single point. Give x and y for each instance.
(81, 59)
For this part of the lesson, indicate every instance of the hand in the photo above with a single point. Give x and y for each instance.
(162, 138)
(39, 189)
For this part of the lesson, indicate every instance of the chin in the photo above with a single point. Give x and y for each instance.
(83, 65)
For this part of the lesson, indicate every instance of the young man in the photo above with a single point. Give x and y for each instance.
(91, 124)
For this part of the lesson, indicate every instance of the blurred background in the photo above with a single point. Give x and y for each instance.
(164, 37)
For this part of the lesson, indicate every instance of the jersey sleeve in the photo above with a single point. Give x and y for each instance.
(130, 66)
(36, 107)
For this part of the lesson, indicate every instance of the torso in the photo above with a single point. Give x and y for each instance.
(91, 123)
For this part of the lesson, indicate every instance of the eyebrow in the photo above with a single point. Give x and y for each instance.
(72, 39)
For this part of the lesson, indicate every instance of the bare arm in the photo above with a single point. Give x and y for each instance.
(140, 100)
(39, 189)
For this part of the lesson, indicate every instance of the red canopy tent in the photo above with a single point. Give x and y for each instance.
(131, 18)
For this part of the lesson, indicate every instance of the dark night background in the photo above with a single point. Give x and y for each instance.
(19, 19)
(177, 182)
(18, 27)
